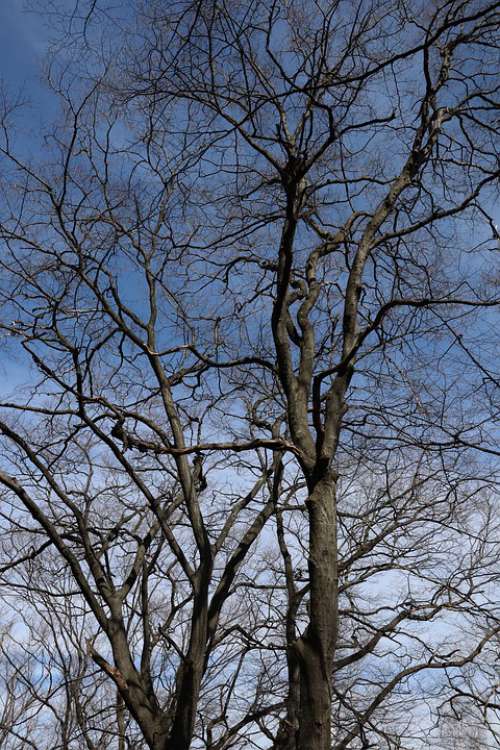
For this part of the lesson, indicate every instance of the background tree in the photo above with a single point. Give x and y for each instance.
(251, 272)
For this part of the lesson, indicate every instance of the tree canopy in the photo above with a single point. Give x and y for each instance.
(249, 462)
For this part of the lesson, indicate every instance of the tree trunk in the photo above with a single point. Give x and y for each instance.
(191, 670)
(316, 648)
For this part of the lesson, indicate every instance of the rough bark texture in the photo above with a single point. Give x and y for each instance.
(316, 648)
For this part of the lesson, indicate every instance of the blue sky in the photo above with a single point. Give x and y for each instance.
(23, 44)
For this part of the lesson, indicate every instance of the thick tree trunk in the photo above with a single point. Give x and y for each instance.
(187, 700)
(316, 648)
(191, 670)
(307, 724)
(315, 699)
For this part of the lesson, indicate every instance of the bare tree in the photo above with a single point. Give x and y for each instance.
(250, 278)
